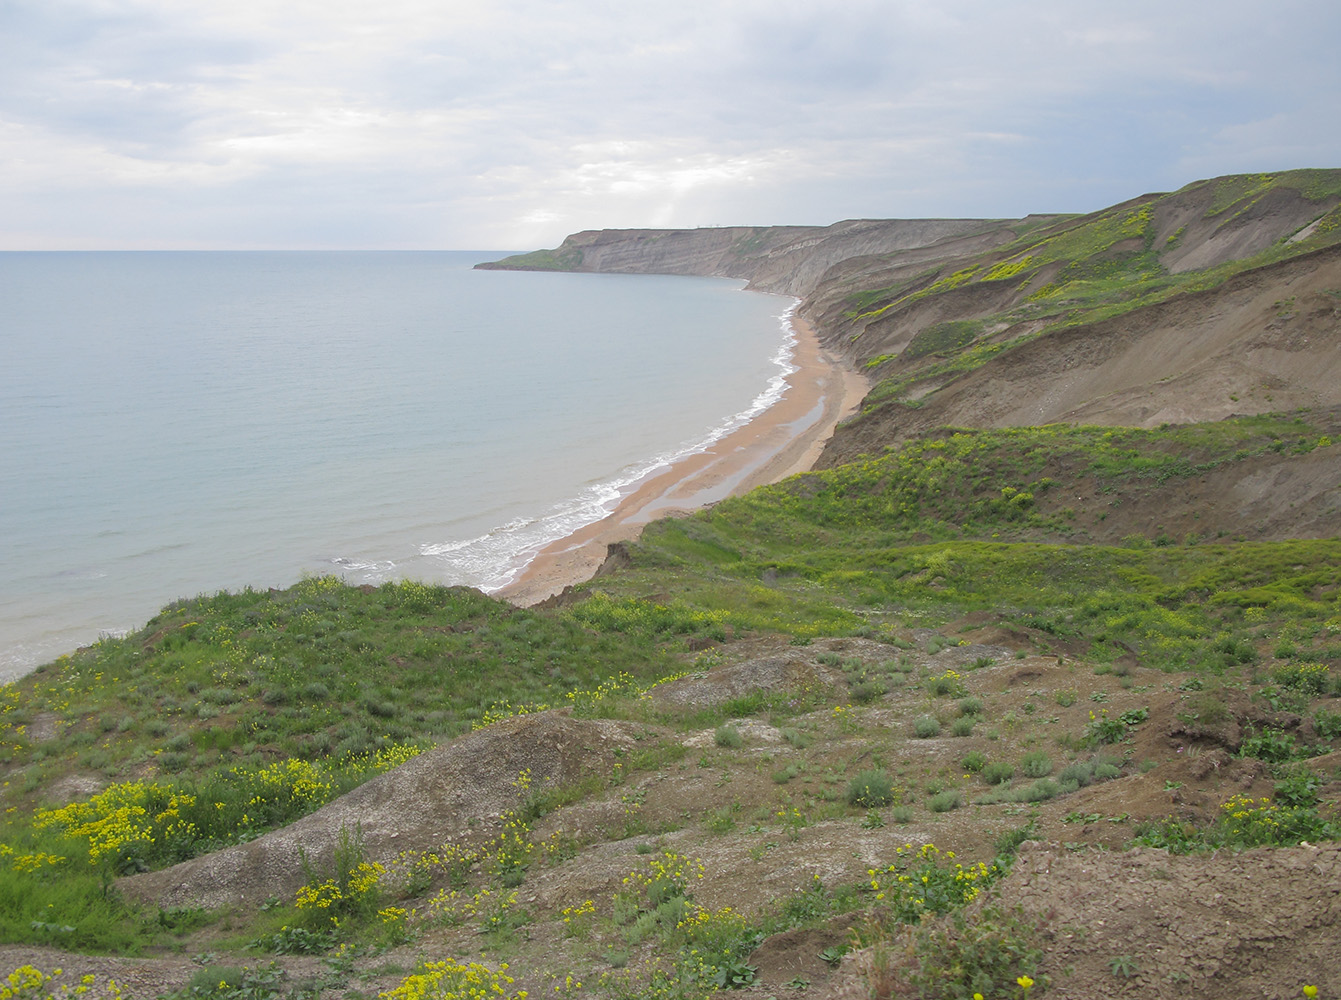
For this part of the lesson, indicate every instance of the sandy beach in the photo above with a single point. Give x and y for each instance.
(783, 440)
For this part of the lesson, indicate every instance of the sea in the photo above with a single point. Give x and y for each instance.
(178, 423)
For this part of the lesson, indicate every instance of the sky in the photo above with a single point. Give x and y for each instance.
(507, 124)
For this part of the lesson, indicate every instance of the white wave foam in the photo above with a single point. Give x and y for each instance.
(378, 566)
(493, 560)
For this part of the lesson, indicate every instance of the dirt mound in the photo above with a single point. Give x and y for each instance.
(1257, 924)
(1146, 923)
(769, 673)
(437, 797)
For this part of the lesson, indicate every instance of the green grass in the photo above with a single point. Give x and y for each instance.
(967, 521)
(1070, 271)
(319, 670)
(560, 259)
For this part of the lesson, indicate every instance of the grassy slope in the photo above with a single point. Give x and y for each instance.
(970, 521)
(1071, 272)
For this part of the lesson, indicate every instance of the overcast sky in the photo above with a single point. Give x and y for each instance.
(416, 124)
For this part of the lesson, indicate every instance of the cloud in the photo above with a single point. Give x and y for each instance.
(510, 123)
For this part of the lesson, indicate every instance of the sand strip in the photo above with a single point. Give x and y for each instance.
(785, 439)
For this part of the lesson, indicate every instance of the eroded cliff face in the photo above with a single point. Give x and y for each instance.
(792, 260)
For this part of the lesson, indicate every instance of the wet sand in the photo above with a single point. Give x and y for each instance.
(783, 440)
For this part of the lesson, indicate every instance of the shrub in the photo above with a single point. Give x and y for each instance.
(970, 706)
(1298, 786)
(1243, 822)
(976, 953)
(1206, 708)
(796, 737)
(728, 735)
(1038, 791)
(926, 726)
(947, 683)
(352, 887)
(1036, 764)
(1306, 678)
(866, 691)
(1327, 724)
(917, 885)
(1271, 745)
(1076, 775)
(902, 814)
(944, 801)
(962, 727)
(997, 772)
(870, 789)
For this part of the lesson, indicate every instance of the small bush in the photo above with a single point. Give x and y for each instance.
(962, 727)
(1271, 745)
(971, 705)
(796, 737)
(870, 789)
(1036, 764)
(1077, 775)
(997, 772)
(1206, 708)
(866, 691)
(926, 726)
(1039, 791)
(1306, 678)
(728, 736)
(944, 801)
(947, 683)
(721, 820)
(902, 814)
(1327, 724)
(936, 643)
(974, 761)
(971, 953)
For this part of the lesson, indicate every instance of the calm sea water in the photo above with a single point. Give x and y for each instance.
(178, 423)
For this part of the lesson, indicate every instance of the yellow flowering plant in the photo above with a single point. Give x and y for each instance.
(917, 883)
(452, 980)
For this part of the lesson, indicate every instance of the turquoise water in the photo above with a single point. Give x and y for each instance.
(178, 423)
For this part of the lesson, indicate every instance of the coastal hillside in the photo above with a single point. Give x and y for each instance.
(787, 259)
(1032, 688)
(1223, 297)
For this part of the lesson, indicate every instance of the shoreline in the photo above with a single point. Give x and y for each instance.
(781, 441)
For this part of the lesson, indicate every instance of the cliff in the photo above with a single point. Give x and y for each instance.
(787, 259)
(1222, 297)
